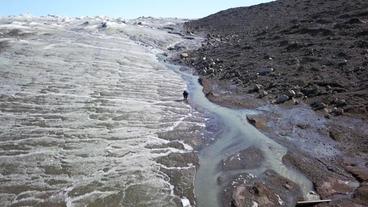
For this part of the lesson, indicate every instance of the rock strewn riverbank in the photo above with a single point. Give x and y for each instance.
(309, 56)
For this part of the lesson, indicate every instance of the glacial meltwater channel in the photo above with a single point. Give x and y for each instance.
(236, 135)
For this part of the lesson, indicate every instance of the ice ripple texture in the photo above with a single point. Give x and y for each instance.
(79, 104)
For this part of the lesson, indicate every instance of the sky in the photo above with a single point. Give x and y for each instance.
(121, 8)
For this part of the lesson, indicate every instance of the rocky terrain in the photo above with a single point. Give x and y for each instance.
(312, 50)
(310, 58)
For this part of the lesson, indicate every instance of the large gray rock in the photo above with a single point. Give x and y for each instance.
(282, 99)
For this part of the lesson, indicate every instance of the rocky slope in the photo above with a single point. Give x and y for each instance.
(315, 50)
(296, 52)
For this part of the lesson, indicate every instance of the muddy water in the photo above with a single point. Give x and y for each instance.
(236, 134)
(79, 103)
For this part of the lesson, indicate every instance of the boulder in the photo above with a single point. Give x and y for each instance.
(184, 55)
(258, 121)
(200, 81)
(359, 172)
(272, 190)
(265, 71)
(176, 48)
(362, 193)
(354, 21)
(299, 94)
(311, 91)
(291, 93)
(333, 186)
(295, 101)
(337, 111)
(339, 102)
(262, 94)
(256, 88)
(282, 99)
(103, 24)
(318, 105)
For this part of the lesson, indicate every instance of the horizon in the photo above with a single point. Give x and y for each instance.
(115, 8)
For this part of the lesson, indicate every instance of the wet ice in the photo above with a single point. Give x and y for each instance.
(78, 105)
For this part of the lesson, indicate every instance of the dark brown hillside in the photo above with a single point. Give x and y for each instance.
(291, 52)
(312, 50)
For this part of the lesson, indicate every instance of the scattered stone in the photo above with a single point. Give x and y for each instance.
(103, 24)
(200, 81)
(265, 71)
(337, 111)
(303, 126)
(354, 21)
(340, 102)
(176, 48)
(327, 110)
(299, 94)
(256, 88)
(311, 91)
(342, 63)
(168, 28)
(318, 105)
(262, 93)
(295, 101)
(282, 99)
(184, 55)
(291, 93)
(189, 38)
(311, 195)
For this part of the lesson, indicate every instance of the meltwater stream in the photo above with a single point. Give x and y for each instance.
(237, 134)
